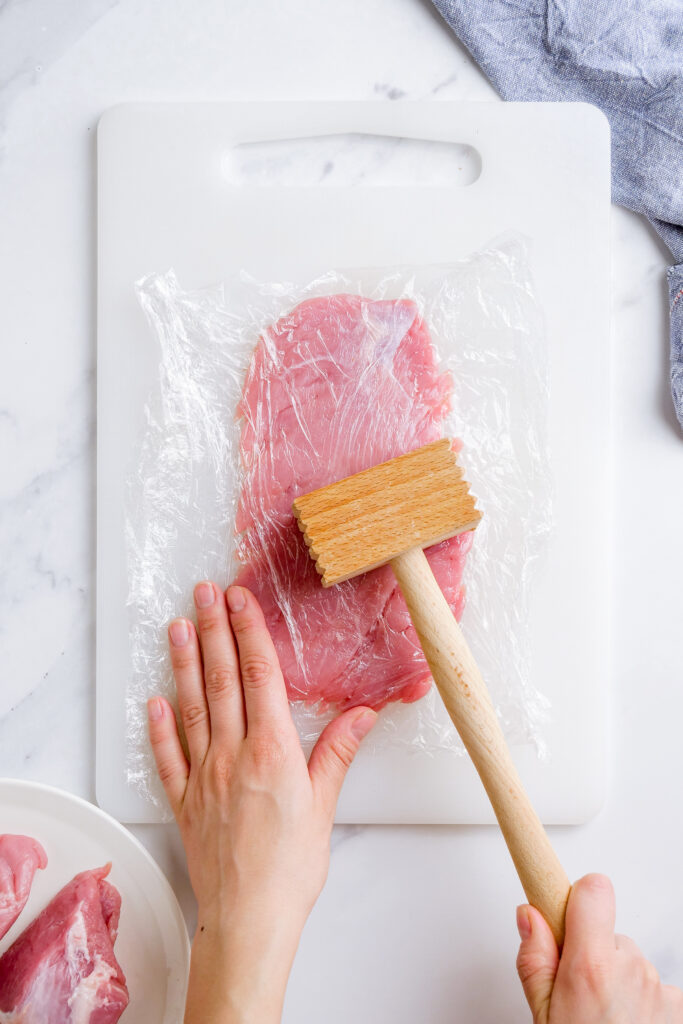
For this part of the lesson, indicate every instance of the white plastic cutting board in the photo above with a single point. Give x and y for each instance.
(166, 200)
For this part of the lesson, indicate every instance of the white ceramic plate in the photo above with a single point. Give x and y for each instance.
(153, 947)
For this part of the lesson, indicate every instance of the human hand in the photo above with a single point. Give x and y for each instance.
(255, 819)
(600, 978)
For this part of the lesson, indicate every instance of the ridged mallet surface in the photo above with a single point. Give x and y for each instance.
(365, 520)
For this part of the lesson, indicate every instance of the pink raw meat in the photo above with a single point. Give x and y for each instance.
(62, 968)
(337, 385)
(20, 858)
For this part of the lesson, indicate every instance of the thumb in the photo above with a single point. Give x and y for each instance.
(335, 750)
(537, 961)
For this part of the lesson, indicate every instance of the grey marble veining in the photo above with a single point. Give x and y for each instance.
(352, 159)
(34, 34)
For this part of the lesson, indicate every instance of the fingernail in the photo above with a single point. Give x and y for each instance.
(204, 595)
(523, 923)
(363, 724)
(155, 709)
(236, 601)
(179, 633)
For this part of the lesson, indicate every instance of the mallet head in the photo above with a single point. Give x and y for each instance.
(365, 520)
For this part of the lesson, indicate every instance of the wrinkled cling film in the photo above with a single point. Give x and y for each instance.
(266, 389)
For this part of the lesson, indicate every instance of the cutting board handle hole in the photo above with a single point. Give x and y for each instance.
(353, 158)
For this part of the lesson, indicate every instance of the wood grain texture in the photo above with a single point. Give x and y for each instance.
(469, 705)
(365, 520)
(389, 514)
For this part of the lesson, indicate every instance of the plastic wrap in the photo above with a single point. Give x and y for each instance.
(268, 390)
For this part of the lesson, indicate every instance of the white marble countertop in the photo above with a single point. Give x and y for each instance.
(415, 923)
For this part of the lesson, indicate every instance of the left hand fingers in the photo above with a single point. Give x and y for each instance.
(189, 681)
(334, 752)
(265, 697)
(221, 667)
(170, 759)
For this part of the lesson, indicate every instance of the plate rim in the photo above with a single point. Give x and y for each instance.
(8, 783)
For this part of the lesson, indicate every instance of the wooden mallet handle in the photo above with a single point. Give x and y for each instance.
(468, 703)
(388, 514)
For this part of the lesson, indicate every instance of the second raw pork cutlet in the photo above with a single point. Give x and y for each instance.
(62, 968)
(20, 858)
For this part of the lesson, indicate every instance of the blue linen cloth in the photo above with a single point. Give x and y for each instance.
(626, 57)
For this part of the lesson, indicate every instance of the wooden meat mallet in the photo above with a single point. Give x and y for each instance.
(389, 514)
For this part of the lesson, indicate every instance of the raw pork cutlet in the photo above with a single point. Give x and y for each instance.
(20, 858)
(62, 968)
(337, 385)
